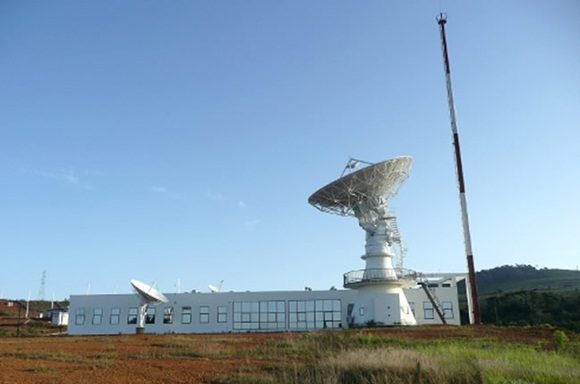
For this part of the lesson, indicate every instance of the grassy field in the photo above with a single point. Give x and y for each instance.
(391, 355)
(371, 358)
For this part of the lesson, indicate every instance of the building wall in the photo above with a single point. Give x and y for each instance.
(59, 318)
(445, 292)
(376, 305)
(250, 311)
(212, 312)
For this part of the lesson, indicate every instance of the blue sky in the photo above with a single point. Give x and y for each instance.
(181, 139)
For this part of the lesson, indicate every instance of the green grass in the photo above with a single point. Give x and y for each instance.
(41, 355)
(359, 357)
(106, 359)
(460, 355)
(39, 369)
(184, 347)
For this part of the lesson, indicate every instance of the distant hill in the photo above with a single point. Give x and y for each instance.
(525, 295)
(513, 278)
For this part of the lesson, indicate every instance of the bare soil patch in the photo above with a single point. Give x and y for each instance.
(190, 358)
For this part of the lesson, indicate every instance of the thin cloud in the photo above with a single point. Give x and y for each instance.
(168, 193)
(159, 189)
(225, 200)
(214, 195)
(68, 176)
(250, 225)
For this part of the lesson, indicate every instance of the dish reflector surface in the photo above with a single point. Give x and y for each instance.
(378, 181)
(148, 293)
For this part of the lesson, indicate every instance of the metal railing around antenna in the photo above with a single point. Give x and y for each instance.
(376, 275)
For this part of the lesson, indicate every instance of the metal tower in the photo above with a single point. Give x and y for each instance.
(42, 289)
(474, 316)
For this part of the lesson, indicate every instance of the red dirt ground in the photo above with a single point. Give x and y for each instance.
(148, 358)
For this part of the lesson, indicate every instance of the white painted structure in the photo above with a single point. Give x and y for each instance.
(275, 311)
(377, 295)
(148, 297)
(59, 318)
(443, 287)
(365, 194)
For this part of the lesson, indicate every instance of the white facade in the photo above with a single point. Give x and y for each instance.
(59, 318)
(256, 311)
(444, 289)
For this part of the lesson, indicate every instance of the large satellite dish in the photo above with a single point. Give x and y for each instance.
(147, 293)
(365, 194)
(369, 186)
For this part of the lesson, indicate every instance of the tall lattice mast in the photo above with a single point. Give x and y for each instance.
(42, 289)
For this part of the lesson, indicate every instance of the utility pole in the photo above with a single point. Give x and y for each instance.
(474, 315)
(18, 323)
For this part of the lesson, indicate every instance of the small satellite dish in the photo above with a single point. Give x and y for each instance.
(147, 293)
(148, 296)
(214, 289)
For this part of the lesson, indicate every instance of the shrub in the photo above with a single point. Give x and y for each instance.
(561, 340)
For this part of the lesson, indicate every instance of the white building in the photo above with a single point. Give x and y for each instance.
(223, 312)
(58, 317)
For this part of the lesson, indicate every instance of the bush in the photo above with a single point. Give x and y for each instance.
(561, 340)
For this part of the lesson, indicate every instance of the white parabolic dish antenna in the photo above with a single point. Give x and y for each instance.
(147, 293)
(148, 296)
(370, 186)
(365, 194)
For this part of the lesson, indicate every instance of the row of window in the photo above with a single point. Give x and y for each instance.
(429, 311)
(150, 315)
(302, 314)
(247, 315)
(436, 285)
(260, 315)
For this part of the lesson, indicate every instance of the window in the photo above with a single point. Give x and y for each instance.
(222, 314)
(447, 309)
(314, 314)
(361, 311)
(185, 315)
(260, 315)
(115, 316)
(428, 310)
(80, 316)
(132, 316)
(168, 315)
(446, 285)
(246, 315)
(204, 314)
(150, 315)
(97, 316)
(272, 315)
